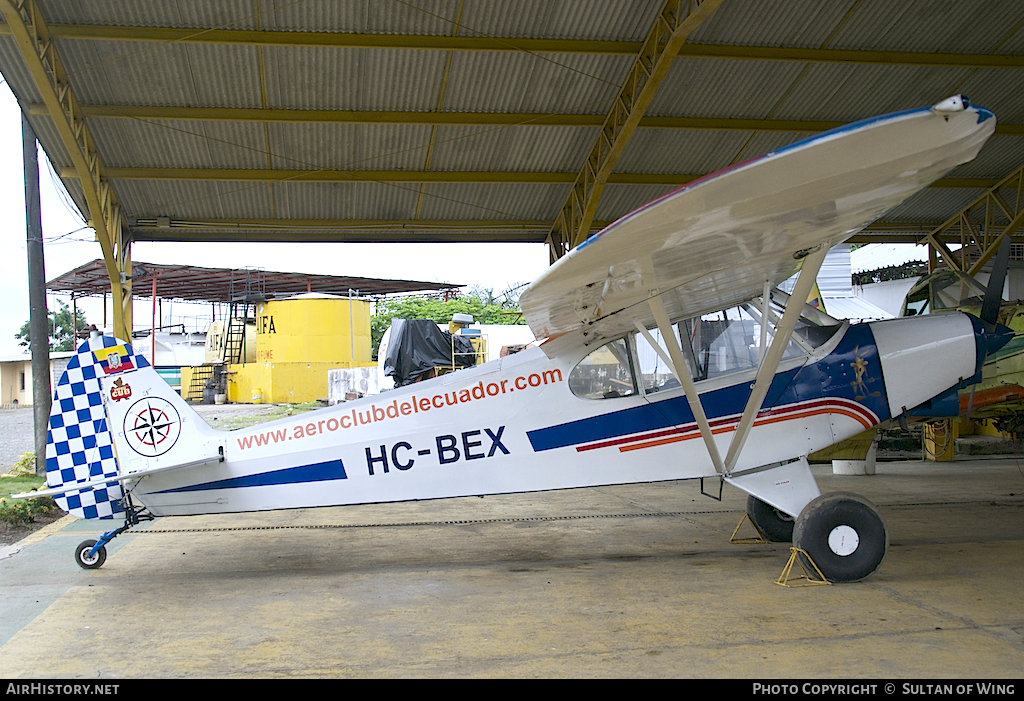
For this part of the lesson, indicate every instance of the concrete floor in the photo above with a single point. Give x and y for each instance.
(617, 591)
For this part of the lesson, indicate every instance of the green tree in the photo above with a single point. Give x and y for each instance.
(62, 329)
(482, 304)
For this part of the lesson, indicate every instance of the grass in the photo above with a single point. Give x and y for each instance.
(17, 485)
(20, 512)
(279, 411)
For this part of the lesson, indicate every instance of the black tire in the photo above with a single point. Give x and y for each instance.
(844, 534)
(82, 551)
(773, 525)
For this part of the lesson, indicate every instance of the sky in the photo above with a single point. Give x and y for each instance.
(496, 266)
(882, 255)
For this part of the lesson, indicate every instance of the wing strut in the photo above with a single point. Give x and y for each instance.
(772, 358)
(678, 367)
(769, 362)
(766, 301)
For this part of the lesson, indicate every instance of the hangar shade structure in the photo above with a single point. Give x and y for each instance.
(485, 120)
(193, 283)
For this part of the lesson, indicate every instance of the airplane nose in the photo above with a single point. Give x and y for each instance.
(997, 339)
(988, 342)
(922, 357)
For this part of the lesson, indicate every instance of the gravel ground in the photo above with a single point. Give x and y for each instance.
(15, 436)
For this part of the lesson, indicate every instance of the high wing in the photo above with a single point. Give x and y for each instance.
(716, 241)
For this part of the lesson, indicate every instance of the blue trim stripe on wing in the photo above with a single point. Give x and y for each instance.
(319, 472)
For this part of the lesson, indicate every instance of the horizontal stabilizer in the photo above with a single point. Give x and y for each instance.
(90, 484)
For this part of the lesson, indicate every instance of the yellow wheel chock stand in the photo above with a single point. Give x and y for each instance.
(758, 538)
(786, 577)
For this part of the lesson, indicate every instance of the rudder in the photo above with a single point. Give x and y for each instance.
(79, 446)
(112, 416)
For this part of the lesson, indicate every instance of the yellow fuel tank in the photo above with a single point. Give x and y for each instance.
(297, 341)
(313, 328)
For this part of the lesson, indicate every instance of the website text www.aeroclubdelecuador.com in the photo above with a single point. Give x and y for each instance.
(401, 407)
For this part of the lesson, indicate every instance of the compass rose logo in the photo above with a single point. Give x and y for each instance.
(152, 426)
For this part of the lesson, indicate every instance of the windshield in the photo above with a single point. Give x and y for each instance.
(814, 327)
(712, 345)
(732, 340)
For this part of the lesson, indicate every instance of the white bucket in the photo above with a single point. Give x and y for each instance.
(857, 467)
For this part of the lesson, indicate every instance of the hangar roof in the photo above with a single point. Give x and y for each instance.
(189, 282)
(460, 120)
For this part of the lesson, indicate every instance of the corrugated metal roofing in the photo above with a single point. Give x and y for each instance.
(204, 69)
(927, 25)
(710, 87)
(188, 282)
(790, 23)
(560, 19)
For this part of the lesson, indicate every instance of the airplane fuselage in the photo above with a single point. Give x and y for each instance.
(515, 425)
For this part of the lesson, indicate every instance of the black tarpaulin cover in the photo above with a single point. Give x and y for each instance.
(417, 346)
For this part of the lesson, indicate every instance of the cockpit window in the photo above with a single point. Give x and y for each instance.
(655, 373)
(813, 329)
(604, 374)
(725, 342)
(712, 345)
(732, 340)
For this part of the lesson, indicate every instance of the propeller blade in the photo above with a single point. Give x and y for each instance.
(994, 291)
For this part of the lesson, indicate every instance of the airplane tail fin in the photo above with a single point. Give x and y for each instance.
(112, 416)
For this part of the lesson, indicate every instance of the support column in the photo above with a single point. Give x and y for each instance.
(152, 329)
(39, 322)
(120, 278)
(37, 46)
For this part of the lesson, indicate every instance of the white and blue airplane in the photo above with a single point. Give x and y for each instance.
(669, 354)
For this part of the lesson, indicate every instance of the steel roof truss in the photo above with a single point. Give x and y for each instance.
(675, 22)
(981, 225)
(245, 37)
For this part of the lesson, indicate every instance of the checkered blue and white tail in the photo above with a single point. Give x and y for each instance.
(112, 416)
(79, 445)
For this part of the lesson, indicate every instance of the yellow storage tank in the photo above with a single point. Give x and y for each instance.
(297, 341)
(313, 328)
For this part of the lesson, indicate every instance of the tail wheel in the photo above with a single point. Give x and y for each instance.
(844, 534)
(83, 559)
(776, 526)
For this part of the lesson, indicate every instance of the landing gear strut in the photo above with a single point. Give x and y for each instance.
(91, 554)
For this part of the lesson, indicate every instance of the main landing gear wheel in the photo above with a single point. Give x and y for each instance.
(844, 534)
(83, 559)
(774, 525)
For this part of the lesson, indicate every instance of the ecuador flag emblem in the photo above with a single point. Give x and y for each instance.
(114, 359)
